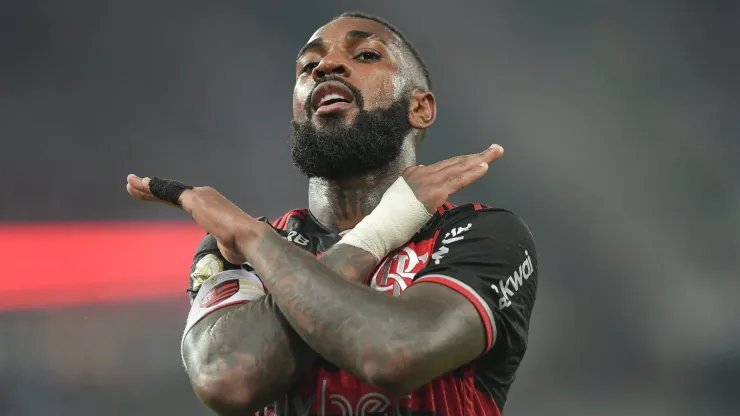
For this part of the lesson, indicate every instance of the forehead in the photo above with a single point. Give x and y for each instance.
(337, 30)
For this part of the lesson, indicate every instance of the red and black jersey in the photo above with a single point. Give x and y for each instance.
(486, 254)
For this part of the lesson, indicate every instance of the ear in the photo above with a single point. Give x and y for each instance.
(423, 109)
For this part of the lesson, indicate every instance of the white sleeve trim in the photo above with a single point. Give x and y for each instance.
(220, 290)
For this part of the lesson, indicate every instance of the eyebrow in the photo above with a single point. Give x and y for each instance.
(316, 43)
(351, 35)
(359, 34)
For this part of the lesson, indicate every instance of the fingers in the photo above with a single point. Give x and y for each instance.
(141, 195)
(136, 182)
(139, 188)
(458, 182)
(469, 169)
(490, 155)
(468, 162)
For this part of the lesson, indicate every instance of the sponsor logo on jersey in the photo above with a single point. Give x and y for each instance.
(371, 403)
(507, 288)
(220, 293)
(297, 238)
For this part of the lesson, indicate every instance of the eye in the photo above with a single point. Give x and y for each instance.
(309, 66)
(368, 56)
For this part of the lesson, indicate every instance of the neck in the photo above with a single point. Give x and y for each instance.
(340, 205)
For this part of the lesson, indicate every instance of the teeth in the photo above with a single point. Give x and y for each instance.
(330, 97)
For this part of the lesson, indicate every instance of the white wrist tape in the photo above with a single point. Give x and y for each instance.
(223, 289)
(392, 223)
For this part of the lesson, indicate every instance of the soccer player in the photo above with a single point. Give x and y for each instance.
(381, 297)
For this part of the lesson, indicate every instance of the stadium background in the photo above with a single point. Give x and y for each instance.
(622, 135)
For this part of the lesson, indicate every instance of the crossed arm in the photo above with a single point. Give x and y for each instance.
(243, 357)
(395, 344)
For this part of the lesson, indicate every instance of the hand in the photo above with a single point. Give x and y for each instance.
(216, 214)
(433, 184)
(139, 189)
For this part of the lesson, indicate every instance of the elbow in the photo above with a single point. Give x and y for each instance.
(393, 367)
(224, 391)
(224, 395)
(393, 377)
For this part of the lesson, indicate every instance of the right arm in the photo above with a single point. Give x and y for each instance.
(244, 356)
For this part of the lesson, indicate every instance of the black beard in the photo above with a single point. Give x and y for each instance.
(370, 144)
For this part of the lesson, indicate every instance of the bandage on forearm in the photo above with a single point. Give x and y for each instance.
(396, 219)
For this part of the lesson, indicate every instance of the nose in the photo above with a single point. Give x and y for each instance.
(332, 64)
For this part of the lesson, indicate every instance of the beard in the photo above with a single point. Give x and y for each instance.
(340, 150)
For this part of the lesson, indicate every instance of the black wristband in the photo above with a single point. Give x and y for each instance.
(167, 189)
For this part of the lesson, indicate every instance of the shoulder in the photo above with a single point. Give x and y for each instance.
(497, 223)
(209, 244)
(207, 262)
(284, 221)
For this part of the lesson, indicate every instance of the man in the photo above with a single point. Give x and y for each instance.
(381, 297)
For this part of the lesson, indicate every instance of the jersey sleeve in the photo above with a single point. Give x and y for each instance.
(489, 257)
(207, 262)
(215, 283)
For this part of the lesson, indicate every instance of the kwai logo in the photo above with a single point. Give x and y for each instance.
(507, 288)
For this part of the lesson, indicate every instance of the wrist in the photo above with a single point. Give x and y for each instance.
(187, 199)
(391, 224)
(249, 232)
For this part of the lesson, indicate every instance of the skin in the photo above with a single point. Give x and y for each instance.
(245, 356)
(376, 65)
(241, 358)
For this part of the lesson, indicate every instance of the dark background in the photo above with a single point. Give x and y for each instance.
(621, 125)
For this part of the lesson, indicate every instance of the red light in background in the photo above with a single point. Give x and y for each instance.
(51, 264)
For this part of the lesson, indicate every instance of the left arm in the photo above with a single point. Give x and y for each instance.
(445, 319)
(394, 343)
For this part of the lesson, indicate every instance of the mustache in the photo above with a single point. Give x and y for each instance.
(355, 91)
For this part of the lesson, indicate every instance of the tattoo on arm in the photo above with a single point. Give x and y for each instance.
(252, 346)
(351, 263)
(249, 346)
(367, 333)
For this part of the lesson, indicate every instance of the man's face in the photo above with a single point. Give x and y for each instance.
(350, 102)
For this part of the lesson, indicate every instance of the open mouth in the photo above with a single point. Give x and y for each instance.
(331, 97)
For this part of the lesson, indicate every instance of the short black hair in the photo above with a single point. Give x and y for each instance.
(421, 66)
